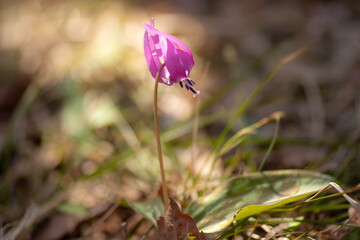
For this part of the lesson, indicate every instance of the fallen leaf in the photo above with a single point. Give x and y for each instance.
(177, 225)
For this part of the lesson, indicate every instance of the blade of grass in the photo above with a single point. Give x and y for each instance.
(262, 84)
(255, 92)
(345, 164)
(272, 144)
(239, 136)
(195, 131)
(303, 141)
(197, 115)
(352, 202)
(187, 126)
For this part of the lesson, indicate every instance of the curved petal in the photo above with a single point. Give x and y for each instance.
(177, 42)
(153, 31)
(173, 63)
(152, 58)
(148, 55)
(186, 60)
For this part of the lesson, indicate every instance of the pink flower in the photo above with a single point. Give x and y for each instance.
(162, 48)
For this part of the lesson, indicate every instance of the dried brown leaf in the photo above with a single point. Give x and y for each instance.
(177, 225)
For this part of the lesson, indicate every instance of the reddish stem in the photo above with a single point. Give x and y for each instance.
(158, 143)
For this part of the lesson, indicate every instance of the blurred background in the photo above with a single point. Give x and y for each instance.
(76, 120)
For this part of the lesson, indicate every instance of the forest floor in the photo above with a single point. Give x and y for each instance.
(77, 142)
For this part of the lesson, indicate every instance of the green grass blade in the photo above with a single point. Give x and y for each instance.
(256, 91)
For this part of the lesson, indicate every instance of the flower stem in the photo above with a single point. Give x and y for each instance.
(158, 143)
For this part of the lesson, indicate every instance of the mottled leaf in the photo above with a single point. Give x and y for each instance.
(252, 194)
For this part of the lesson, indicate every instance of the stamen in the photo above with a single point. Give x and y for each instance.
(193, 90)
(188, 81)
(189, 85)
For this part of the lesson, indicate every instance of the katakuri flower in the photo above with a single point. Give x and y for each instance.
(162, 48)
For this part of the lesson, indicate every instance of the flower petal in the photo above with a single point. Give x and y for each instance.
(173, 62)
(148, 55)
(186, 60)
(177, 42)
(152, 58)
(153, 31)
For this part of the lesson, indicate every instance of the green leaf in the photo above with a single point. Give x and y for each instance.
(78, 210)
(251, 194)
(150, 209)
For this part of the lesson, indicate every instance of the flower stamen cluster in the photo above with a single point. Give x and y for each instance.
(189, 85)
